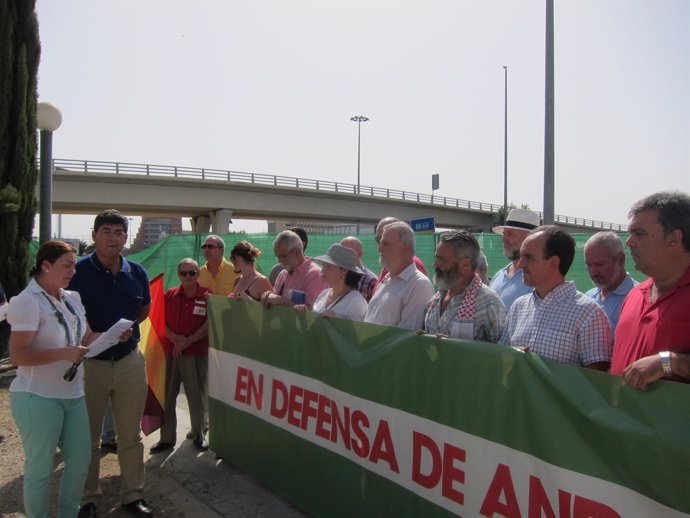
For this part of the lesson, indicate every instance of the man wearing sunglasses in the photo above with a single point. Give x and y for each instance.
(186, 349)
(218, 274)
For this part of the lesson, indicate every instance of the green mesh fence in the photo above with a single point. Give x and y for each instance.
(164, 256)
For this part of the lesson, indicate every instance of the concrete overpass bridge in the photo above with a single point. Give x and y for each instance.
(211, 197)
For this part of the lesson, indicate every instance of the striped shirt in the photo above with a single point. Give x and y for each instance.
(565, 326)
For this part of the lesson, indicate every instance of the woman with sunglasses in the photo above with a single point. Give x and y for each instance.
(186, 349)
(250, 285)
(49, 336)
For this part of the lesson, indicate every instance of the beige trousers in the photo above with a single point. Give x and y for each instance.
(124, 383)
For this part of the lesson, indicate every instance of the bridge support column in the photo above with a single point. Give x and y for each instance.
(220, 222)
(201, 224)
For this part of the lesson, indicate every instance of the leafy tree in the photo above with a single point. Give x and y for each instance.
(19, 58)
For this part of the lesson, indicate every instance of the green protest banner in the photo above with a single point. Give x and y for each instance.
(351, 419)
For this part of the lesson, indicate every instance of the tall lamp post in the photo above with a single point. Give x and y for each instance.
(48, 119)
(505, 143)
(129, 233)
(359, 119)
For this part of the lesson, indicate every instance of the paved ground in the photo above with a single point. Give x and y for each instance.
(183, 483)
(202, 485)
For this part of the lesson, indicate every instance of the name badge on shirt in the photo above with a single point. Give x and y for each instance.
(198, 310)
(462, 330)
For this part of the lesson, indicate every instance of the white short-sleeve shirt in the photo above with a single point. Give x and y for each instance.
(31, 311)
(352, 306)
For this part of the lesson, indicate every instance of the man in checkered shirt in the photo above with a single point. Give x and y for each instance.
(556, 321)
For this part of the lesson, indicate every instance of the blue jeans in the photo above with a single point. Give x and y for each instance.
(45, 424)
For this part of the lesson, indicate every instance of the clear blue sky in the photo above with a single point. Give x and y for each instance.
(269, 87)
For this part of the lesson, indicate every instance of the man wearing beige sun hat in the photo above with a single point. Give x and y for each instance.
(508, 281)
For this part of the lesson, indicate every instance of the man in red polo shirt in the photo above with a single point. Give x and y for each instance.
(186, 349)
(653, 334)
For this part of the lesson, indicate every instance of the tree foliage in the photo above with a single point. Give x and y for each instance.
(19, 58)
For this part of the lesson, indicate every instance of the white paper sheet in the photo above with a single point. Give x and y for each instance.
(109, 338)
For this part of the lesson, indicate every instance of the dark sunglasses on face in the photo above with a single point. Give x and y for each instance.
(184, 273)
(204, 247)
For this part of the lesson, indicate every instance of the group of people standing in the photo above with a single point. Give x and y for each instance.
(639, 331)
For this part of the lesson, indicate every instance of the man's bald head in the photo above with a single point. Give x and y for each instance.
(353, 243)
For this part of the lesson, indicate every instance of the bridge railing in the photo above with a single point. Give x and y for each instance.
(224, 175)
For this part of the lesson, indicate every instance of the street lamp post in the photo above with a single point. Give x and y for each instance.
(129, 233)
(505, 144)
(359, 119)
(48, 119)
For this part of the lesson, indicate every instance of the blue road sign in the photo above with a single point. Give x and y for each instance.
(423, 225)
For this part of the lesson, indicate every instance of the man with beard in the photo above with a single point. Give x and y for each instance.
(379, 234)
(464, 307)
(605, 260)
(508, 282)
(300, 282)
(402, 295)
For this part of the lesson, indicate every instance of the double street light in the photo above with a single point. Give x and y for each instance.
(48, 119)
(359, 119)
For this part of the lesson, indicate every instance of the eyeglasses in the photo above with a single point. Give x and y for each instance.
(184, 273)
(204, 247)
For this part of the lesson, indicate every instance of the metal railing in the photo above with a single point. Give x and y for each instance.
(224, 175)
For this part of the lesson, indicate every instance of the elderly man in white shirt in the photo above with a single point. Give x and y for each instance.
(402, 295)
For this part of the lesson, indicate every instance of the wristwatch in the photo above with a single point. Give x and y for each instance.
(665, 359)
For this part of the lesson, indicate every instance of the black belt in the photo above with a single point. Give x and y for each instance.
(118, 358)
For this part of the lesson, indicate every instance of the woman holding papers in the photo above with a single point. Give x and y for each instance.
(49, 335)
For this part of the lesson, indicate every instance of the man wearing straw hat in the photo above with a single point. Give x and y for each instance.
(508, 282)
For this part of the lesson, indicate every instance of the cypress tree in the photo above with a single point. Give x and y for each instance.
(19, 58)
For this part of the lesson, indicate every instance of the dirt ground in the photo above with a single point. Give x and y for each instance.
(12, 470)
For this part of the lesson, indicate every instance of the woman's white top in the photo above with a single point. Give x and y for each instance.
(31, 311)
(352, 306)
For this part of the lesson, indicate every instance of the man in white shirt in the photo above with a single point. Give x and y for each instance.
(402, 295)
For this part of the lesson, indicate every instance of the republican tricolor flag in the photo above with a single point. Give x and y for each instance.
(151, 344)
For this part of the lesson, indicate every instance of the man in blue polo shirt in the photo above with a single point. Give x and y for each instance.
(605, 261)
(111, 287)
(508, 282)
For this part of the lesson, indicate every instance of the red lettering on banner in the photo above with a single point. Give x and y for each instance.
(382, 447)
(360, 444)
(279, 391)
(241, 385)
(585, 508)
(246, 386)
(452, 474)
(501, 484)
(308, 411)
(443, 468)
(323, 418)
(539, 503)
(295, 405)
(341, 425)
(419, 441)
